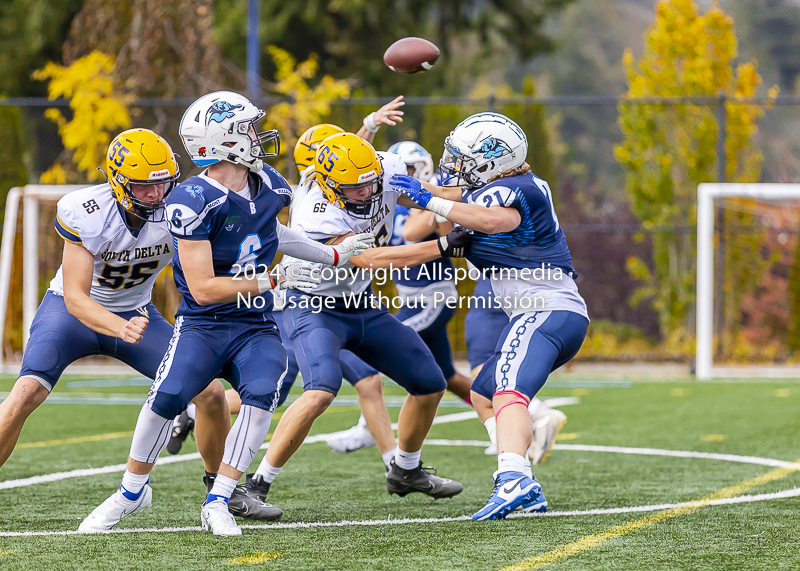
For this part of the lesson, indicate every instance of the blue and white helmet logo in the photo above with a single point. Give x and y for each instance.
(220, 111)
(493, 148)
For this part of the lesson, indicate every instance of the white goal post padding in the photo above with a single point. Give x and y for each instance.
(30, 196)
(706, 195)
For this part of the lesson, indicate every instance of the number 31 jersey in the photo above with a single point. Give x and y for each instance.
(126, 260)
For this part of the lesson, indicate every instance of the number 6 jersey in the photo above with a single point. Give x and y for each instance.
(126, 260)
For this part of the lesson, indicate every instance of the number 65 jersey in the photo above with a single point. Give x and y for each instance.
(126, 260)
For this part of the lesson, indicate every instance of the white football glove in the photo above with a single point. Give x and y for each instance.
(352, 246)
(295, 276)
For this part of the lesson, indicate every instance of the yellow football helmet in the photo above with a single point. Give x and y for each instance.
(306, 148)
(346, 163)
(139, 156)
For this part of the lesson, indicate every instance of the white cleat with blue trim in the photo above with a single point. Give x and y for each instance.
(117, 506)
(512, 490)
(216, 517)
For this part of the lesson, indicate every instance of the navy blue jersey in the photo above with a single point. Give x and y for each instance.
(242, 233)
(438, 270)
(537, 240)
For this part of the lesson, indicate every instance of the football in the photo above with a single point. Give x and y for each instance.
(411, 55)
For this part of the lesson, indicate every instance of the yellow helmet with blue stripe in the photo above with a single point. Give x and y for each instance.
(140, 156)
(305, 151)
(346, 163)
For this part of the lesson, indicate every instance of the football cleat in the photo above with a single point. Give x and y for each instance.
(209, 480)
(403, 482)
(107, 515)
(353, 439)
(512, 490)
(181, 428)
(215, 516)
(247, 500)
(490, 450)
(547, 423)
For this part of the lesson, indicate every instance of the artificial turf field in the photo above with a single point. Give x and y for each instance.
(754, 418)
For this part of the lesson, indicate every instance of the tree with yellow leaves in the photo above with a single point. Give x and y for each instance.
(97, 112)
(308, 105)
(669, 149)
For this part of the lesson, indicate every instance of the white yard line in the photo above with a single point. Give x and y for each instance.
(795, 492)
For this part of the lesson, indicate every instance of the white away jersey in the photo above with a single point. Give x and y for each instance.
(126, 262)
(320, 220)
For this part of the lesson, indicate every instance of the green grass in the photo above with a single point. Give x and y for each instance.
(755, 418)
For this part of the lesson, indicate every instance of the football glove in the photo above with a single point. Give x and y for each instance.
(456, 243)
(351, 246)
(412, 188)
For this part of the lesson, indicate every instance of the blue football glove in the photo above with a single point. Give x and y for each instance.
(412, 188)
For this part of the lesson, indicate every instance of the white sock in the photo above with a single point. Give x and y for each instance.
(246, 436)
(150, 436)
(510, 462)
(387, 456)
(132, 484)
(268, 471)
(223, 486)
(362, 422)
(491, 428)
(534, 405)
(528, 471)
(191, 410)
(407, 460)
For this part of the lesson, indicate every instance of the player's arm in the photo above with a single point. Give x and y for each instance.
(447, 192)
(298, 245)
(395, 256)
(77, 270)
(389, 114)
(492, 220)
(419, 225)
(197, 263)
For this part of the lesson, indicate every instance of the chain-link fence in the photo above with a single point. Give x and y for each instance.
(577, 135)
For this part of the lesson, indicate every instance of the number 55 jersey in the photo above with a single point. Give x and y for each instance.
(126, 260)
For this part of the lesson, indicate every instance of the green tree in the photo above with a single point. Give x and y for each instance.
(31, 34)
(668, 149)
(350, 37)
(12, 154)
(162, 49)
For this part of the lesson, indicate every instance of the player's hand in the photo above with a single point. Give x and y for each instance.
(412, 188)
(298, 276)
(134, 329)
(352, 246)
(456, 243)
(390, 113)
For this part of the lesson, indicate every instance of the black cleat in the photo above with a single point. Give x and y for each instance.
(181, 428)
(403, 482)
(247, 500)
(209, 480)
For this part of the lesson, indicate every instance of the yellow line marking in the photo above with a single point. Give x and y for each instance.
(253, 558)
(580, 392)
(7, 552)
(568, 436)
(782, 392)
(679, 392)
(590, 541)
(714, 437)
(76, 440)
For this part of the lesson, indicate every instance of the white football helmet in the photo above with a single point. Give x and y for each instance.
(481, 146)
(217, 126)
(415, 156)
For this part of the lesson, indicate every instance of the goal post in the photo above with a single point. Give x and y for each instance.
(766, 212)
(31, 196)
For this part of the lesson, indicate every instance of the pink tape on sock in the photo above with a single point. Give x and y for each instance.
(515, 393)
(468, 400)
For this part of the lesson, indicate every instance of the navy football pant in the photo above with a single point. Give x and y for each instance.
(373, 335)
(58, 339)
(430, 323)
(483, 325)
(353, 368)
(532, 346)
(247, 354)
